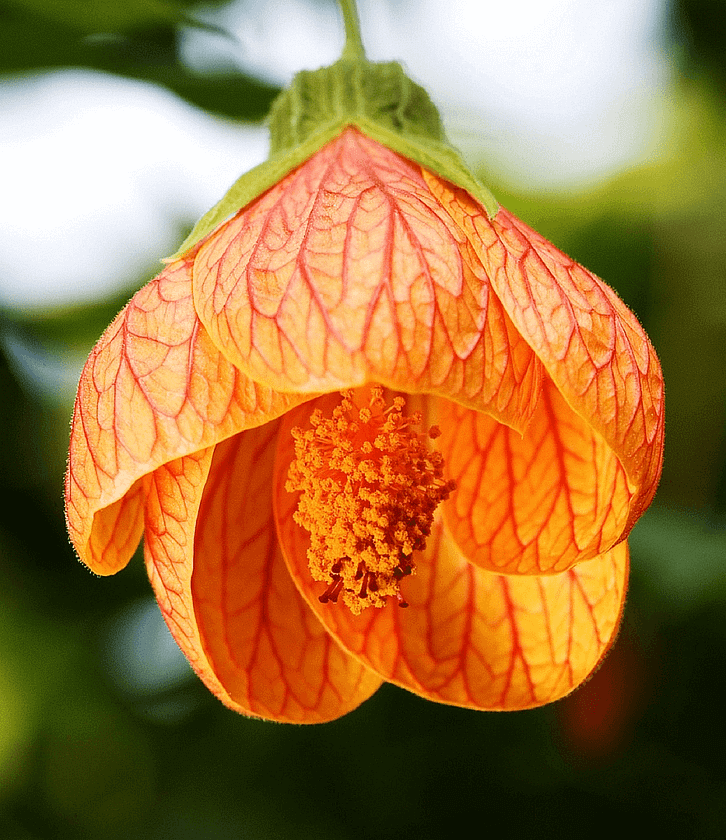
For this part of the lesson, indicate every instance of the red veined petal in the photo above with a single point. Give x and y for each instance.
(349, 272)
(226, 595)
(171, 504)
(489, 641)
(590, 343)
(153, 389)
(469, 637)
(535, 503)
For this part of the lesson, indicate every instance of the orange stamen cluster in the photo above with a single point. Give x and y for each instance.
(368, 487)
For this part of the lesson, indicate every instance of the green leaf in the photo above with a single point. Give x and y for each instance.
(134, 41)
(94, 16)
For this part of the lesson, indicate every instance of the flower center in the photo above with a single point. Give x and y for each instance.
(368, 487)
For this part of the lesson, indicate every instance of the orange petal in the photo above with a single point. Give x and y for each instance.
(533, 503)
(349, 272)
(226, 595)
(469, 637)
(154, 388)
(590, 343)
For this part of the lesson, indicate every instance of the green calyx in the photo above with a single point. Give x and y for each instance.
(379, 100)
(352, 91)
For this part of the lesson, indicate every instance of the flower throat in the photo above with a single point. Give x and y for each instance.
(368, 487)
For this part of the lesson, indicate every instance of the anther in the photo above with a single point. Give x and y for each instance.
(369, 486)
(332, 592)
(404, 568)
(363, 591)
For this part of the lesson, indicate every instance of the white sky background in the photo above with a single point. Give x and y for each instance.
(98, 174)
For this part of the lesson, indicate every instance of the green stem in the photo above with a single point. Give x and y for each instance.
(353, 42)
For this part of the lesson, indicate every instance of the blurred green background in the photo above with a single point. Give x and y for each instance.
(104, 733)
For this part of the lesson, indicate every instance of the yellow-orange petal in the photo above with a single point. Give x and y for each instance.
(154, 388)
(470, 637)
(226, 595)
(590, 343)
(349, 272)
(535, 503)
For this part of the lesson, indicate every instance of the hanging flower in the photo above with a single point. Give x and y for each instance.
(373, 428)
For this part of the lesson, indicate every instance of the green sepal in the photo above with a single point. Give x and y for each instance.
(379, 100)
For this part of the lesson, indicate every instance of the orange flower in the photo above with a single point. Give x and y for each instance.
(209, 417)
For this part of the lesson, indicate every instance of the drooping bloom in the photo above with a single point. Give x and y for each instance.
(371, 430)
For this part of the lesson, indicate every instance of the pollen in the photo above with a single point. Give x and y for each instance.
(369, 484)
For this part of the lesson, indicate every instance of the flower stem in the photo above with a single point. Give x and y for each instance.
(353, 42)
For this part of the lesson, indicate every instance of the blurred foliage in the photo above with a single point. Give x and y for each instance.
(88, 753)
(699, 27)
(133, 38)
(93, 16)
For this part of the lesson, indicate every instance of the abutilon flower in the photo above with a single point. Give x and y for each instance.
(372, 427)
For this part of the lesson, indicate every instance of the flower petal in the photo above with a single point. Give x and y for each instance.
(225, 592)
(535, 503)
(590, 343)
(349, 272)
(153, 389)
(469, 637)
